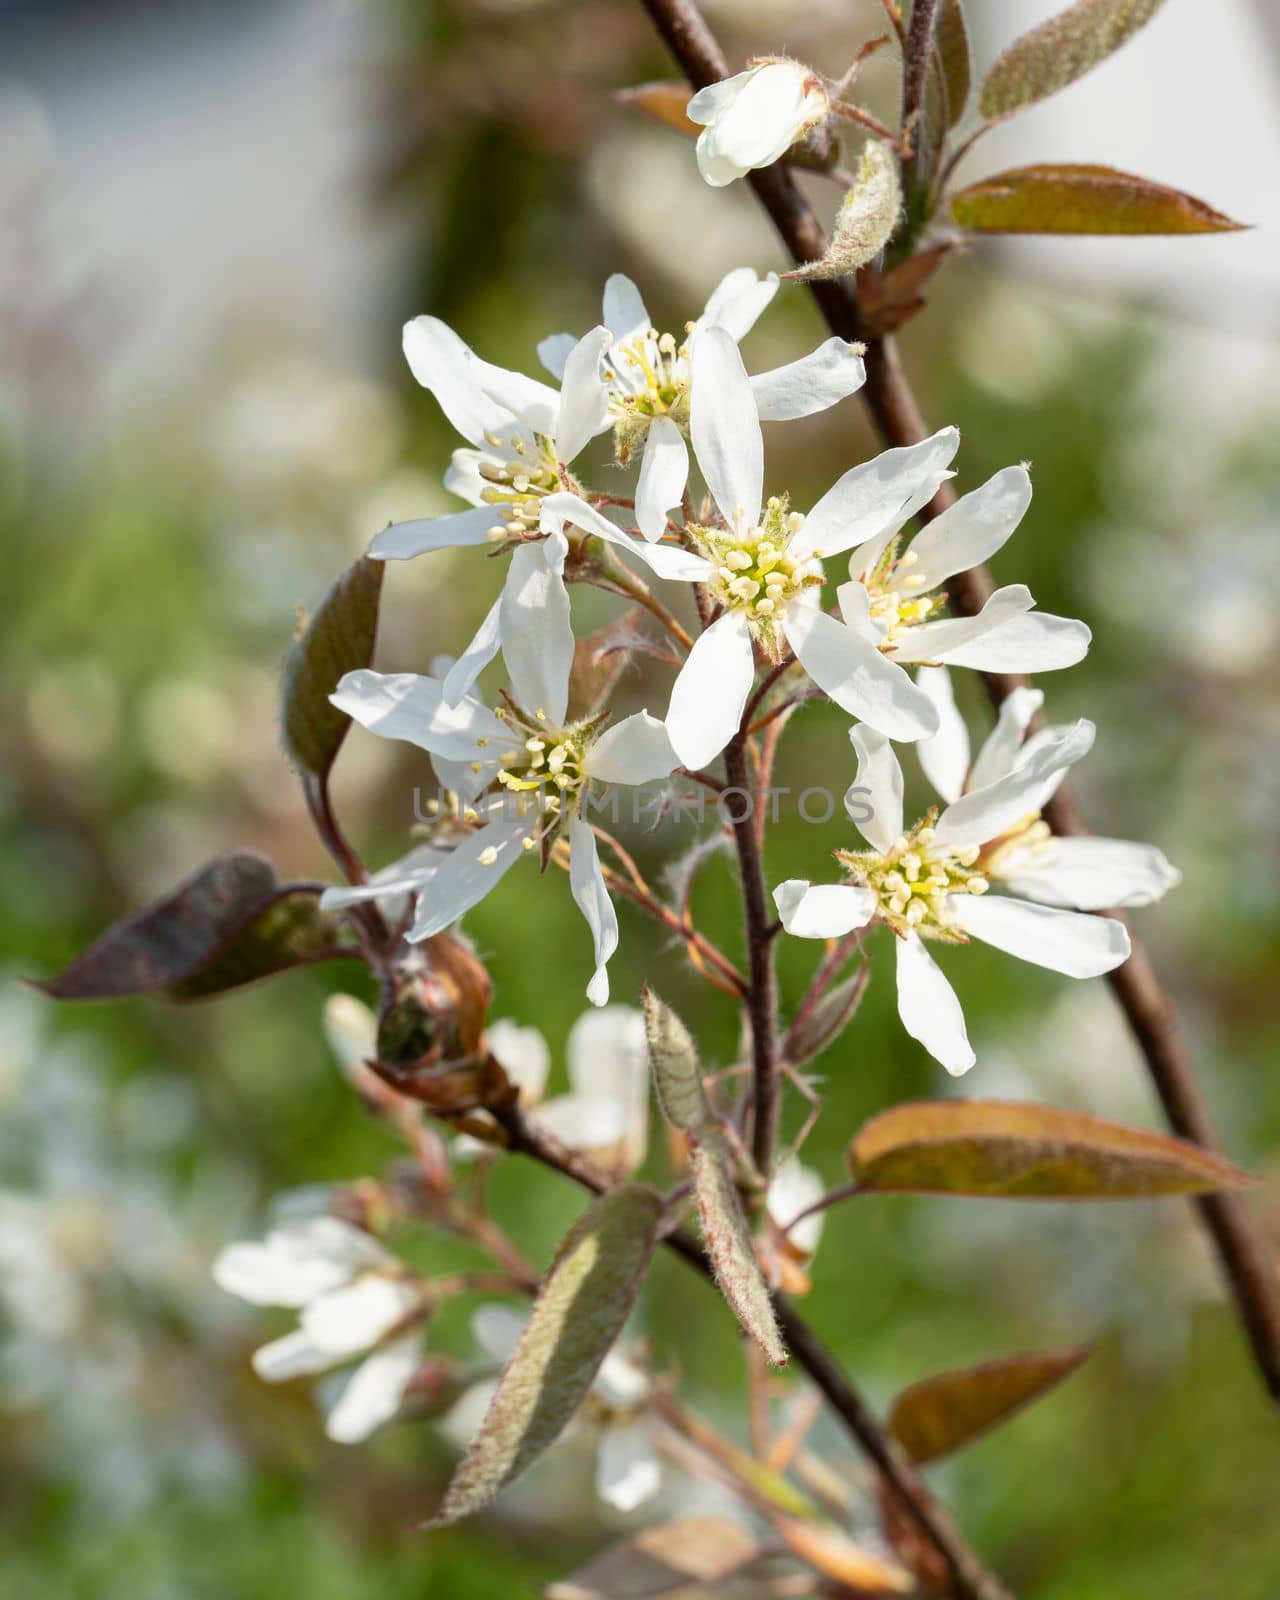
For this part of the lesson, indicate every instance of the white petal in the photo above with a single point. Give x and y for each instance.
(859, 505)
(586, 883)
(467, 779)
(737, 301)
(724, 425)
(854, 673)
(442, 363)
(716, 98)
(497, 1329)
(1036, 642)
(945, 757)
(461, 676)
(984, 814)
(459, 530)
(943, 641)
(668, 561)
(293, 1356)
(355, 1317)
(794, 1189)
(524, 1056)
(350, 1030)
(627, 1471)
(468, 873)
(607, 1056)
(585, 1121)
(1089, 874)
(973, 529)
(1002, 747)
(801, 388)
(620, 1382)
(402, 705)
(373, 1393)
(1070, 942)
(771, 110)
(537, 636)
(636, 750)
(553, 352)
(406, 876)
(823, 910)
(464, 478)
(929, 1009)
(296, 1262)
(584, 396)
(710, 693)
(664, 471)
(623, 310)
(878, 782)
(533, 403)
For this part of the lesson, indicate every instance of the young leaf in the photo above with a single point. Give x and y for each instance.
(867, 217)
(729, 1244)
(833, 1554)
(674, 1060)
(955, 59)
(663, 103)
(674, 1557)
(1023, 1150)
(599, 660)
(339, 638)
(579, 1312)
(227, 925)
(938, 1415)
(1060, 51)
(1081, 199)
(828, 1019)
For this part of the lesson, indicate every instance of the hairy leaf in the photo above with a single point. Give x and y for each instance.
(663, 103)
(1061, 50)
(599, 660)
(1019, 1149)
(227, 925)
(955, 58)
(339, 638)
(730, 1246)
(673, 1558)
(579, 1312)
(1082, 199)
(938, 1415)
(828, 1019)
(867, 217)
(676, 1072)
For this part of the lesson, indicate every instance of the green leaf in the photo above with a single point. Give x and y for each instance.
(1021, 1150)
(338, 639)
(730, 1246)
(955, 58)
(1060, 51)
(1081, 199)
(579, 1312)
(673, 1558)
(867, 217)
(938, 1415)
(676, 1072)
(229, 924)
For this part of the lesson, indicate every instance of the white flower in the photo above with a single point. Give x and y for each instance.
(764, 568)
(641, 386)
(753, 118)
(627, 1468)
(792, 1190)
(931, 883)
(351, 1032)
(545, 766)
(353, 1299)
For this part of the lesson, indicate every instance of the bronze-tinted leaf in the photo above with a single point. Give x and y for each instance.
(1082, 199)
(1018, 1149)
(833, 1554)
(663, 103)
(867, 217)
(229, 924)
(674, 1558)
(579, 1312)
(339, 638)
(938, 1415)
(599, 660)
(1061, 50)
(673, 1059)
(955, 58)
(730, 1245)
(817, 1028)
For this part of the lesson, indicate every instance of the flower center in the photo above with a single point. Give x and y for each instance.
(520, 470)
(543, 765)
(754, 574)
(914, 878)
(896, 600)
(648, 378)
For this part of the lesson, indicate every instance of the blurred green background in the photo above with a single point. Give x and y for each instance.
(215, 221)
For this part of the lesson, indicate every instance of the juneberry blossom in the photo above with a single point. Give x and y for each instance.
(536, 766)
(753, 118)
(930, 883)
(764, 568)
(355, 1302)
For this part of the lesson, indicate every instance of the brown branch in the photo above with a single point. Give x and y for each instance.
(971, 1579)
(1245, 1256)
